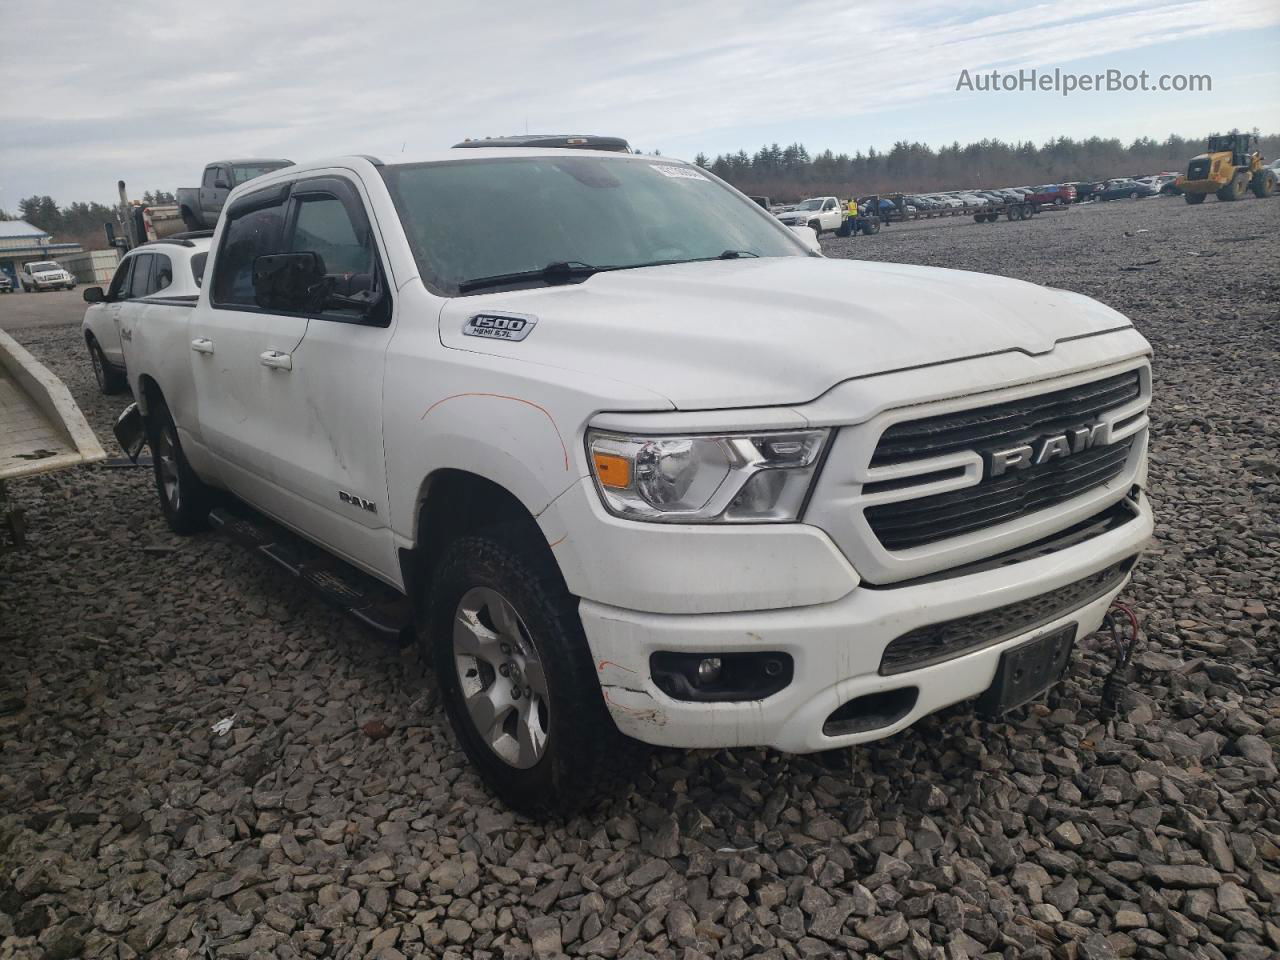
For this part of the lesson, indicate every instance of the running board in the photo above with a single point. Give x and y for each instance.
(390, 619)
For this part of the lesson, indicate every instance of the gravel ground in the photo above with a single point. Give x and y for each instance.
(128, 827)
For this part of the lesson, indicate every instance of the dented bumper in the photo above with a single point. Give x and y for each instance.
(838, 649)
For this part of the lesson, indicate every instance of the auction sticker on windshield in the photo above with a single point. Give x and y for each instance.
(496, 326)
(678, 173)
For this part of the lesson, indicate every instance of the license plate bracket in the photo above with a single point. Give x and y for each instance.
(1028, 670)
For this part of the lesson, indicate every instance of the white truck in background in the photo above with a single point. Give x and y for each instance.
(647, 466)
(820, 214)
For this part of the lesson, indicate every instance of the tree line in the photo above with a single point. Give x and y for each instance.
(77, 222)
(792, 172)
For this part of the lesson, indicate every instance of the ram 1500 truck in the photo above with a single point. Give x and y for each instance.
(648, 466)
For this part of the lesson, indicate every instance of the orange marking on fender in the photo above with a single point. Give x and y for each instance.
(503, 396)
(610, 663)
(558, 542)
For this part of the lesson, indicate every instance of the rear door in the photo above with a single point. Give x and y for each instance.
(237, 350)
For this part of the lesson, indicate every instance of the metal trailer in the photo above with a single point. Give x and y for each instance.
(41, 428)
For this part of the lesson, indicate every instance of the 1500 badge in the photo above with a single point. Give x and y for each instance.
(499, 326)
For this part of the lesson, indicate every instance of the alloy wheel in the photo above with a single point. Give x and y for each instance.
(501, 677)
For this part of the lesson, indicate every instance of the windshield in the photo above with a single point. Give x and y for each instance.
(43, 265)
(471, 219)
(810, 205)
(244, 172)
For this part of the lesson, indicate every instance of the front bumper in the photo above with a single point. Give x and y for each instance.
(837, 649)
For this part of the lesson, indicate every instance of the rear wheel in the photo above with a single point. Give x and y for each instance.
(109, 379)
(1193, 198)
(516, 675)
(184, 499)
(870, 227)
(1236, 188)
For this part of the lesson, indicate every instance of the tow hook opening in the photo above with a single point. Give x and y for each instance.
(715, 677)
(871, 712)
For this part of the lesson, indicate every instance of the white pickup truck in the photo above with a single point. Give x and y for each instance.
(648, 466)
(820, 214)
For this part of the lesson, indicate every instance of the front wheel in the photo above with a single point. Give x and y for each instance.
(1193, 198)
(516, 675)
(185, 501)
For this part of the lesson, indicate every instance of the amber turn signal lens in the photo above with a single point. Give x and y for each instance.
(612, 470)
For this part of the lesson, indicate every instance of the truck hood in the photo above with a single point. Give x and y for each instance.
(774, 331)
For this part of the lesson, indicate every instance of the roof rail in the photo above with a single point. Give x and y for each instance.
(180, 239)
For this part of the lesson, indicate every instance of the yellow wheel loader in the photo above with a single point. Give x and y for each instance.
(1230, 165)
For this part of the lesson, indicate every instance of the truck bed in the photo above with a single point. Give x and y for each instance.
(41, 428)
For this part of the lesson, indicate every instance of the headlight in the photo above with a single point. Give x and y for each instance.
(731, 478)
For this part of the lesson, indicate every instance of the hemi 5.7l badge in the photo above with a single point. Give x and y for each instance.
(499, 326)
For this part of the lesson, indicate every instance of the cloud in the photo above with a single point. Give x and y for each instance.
(135, 91)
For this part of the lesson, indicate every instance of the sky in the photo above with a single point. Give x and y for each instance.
(149, 92)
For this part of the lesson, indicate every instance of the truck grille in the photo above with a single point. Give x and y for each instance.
(1004, 423)
(913, 523)
(1198, 170)
(943, 641)
(903, 524)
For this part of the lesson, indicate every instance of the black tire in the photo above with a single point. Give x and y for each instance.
(189, 222)
(870, 227)
(582, 757)
(843, 229)
(1193, 198)
(110, 380)
(185, 501)
(1235, 189)
(1263, 184)
(816, 227)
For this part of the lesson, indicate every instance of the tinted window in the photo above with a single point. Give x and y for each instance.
(324, 227)
(139, 282)
(120, 279)
(247, 237)
(197, 267)
(210, 175)
(162, 275)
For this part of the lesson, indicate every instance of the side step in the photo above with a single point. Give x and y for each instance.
(391, 618)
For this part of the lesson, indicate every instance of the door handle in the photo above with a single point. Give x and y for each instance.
(126, 333)
(202, 345)
(276, 359)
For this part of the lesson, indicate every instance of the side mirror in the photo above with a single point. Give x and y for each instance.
(809, 237)
(290, 282)
(94, 295)
(220, 183)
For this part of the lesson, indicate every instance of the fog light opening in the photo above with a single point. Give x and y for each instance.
(871, 712)
(723, 677)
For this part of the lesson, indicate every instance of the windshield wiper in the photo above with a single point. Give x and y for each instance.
(561, 271)
(735, 254)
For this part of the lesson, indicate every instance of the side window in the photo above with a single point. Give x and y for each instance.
(162, 275)
(119, 282)
(324, 226)
(140, 281)
(252, 234)
(210, 175)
